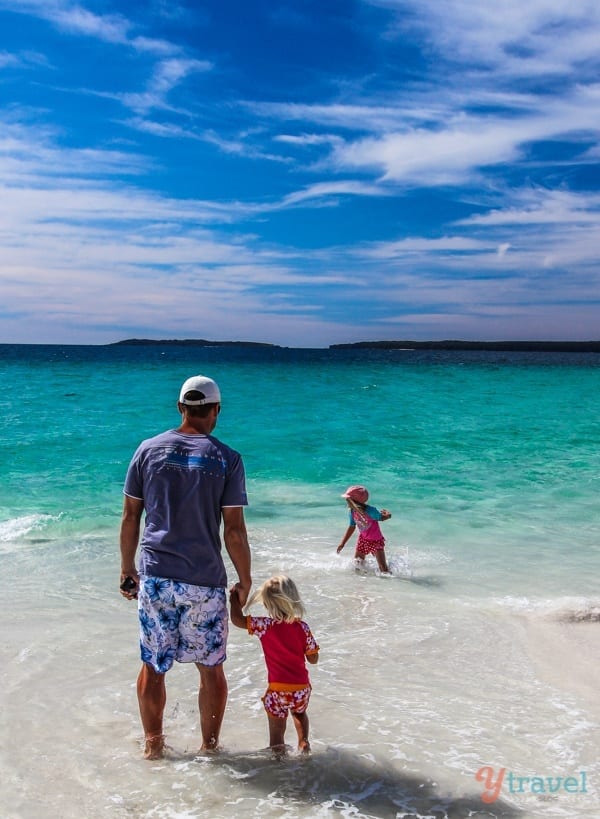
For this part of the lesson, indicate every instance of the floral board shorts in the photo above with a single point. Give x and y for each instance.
(278, 703)
(364, 546)
(183, 622)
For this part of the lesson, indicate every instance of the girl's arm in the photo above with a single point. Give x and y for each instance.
(347, 535)
(237, 615)
(313, 658)
(385, 515)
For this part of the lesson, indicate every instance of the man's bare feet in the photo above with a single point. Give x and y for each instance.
(154, 747)
(211, 746)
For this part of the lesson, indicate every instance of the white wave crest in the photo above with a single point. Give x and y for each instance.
(15, 528)
(564, 609)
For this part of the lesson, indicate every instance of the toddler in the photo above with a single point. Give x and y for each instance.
(286, 642)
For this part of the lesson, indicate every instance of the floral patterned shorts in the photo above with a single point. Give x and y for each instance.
(183, 622)
(278, 703)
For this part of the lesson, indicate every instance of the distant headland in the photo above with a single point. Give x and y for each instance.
(498, 346)
(449, 344)
(189, 342)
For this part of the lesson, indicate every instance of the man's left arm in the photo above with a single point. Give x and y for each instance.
(238, 548)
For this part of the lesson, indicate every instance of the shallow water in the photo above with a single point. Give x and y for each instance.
(478, 652)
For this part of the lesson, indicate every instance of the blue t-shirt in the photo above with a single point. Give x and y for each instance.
(184, 481)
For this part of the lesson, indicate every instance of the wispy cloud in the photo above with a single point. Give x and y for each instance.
(515, 39)
(539, 207)
(166, 75)
(30, 157)
(449, 195)
(365, 118)
(75, 19)
(7, 59)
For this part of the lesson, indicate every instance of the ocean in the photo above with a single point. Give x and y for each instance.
(464, 685)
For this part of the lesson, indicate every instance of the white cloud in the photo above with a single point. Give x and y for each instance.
(425, 158)
(516, 39)
(74, 247)
(166, 75)
(539, 206)
(8, 60)
(424, 246)
(455, 151)
(308, 139)
(366, 117)
(29, 157)
(75, 19)
(167, 130)
(329, 190)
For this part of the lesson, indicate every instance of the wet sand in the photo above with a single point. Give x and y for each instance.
(566, 654)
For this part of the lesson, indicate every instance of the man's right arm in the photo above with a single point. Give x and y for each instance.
(129, 538)
(236, 543)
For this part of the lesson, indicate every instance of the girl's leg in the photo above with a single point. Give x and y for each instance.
(301, 726)
(381, 561)
(276, 733)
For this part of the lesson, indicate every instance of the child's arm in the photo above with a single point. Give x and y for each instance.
(347, 535)
(385, 515)
(313, 658)
(237, 615)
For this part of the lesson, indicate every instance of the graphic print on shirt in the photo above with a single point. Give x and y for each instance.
(177, 458)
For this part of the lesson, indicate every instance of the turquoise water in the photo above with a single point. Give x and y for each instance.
(490, 465)
(491, 458)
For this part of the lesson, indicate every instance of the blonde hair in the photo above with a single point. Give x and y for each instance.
(281, 599)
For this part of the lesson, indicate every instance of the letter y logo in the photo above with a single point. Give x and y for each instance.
(492, 788)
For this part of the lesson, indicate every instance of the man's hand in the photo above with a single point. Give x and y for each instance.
(129, 584)
(236, 607)
(242, 591)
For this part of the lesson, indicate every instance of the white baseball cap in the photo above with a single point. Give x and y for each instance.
(208, 389)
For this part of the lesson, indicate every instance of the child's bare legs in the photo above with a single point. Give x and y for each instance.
(358, 557)
(381, 561)
(301, 726)
(277, 727)
(276, 733)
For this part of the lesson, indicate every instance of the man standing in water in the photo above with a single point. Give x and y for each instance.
(187, 482)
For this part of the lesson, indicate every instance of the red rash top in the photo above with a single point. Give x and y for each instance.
(285, 646)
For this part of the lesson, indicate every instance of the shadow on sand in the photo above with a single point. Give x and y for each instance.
(351, 785)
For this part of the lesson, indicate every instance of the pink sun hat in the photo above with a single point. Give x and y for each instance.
(357, 493)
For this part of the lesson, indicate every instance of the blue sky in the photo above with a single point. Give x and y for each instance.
(303, 173)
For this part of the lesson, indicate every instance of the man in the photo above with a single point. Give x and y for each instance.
(187, 482)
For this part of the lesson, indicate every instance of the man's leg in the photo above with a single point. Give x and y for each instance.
(152, 697)
(212, 698)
